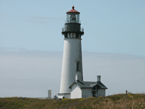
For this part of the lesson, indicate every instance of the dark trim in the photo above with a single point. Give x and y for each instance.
(73, 38)
(75, 82)
(73, 12)
(86, 87)
(77, 32)
(72, 85)
(73, 23)
(63, 93)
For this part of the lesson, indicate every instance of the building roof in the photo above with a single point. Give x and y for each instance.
(88, 84)
(73, 10)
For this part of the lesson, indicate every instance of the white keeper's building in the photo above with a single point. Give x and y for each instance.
(72, 84)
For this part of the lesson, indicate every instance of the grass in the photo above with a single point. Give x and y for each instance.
(118, 101)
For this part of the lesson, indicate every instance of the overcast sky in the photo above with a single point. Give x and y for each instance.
(31, 44)
(33, 73)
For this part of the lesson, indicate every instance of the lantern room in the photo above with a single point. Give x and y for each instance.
(72, 16)
(72, 27)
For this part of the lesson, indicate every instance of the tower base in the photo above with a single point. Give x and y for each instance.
(63, 95)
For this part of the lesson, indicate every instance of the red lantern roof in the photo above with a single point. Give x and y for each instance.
(73, 10)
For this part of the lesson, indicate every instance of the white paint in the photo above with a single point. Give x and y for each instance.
(65, 95)
(86, 93)
(72, 53)
(76, 92)
(77, 77)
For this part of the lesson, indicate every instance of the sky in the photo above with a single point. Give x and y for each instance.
(110, 26)
(31, 44)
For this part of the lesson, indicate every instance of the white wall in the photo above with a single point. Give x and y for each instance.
(86, 93)
(101, 92)
(64, 95)
(76, 92)
(67, 96)
(72, 53)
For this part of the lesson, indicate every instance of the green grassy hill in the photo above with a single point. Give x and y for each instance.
(134, 101)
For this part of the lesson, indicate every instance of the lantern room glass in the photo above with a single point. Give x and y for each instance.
(72, 18)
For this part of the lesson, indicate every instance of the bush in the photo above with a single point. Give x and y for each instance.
(81, 99)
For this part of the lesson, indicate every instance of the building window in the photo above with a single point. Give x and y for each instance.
(94, 92)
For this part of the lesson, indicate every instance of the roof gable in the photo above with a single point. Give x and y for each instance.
(87, 84)
(73, 10)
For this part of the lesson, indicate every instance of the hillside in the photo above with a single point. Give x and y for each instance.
(134, 101)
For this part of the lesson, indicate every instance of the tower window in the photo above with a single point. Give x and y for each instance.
(77, 66)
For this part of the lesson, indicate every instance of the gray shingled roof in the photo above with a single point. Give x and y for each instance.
(88, 84)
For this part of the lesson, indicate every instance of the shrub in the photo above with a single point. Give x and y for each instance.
(81, 99)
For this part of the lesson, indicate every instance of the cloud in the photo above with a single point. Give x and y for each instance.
(32, 73)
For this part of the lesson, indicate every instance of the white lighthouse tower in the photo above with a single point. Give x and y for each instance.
(72, 53)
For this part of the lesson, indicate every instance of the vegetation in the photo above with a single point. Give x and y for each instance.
(134, 101)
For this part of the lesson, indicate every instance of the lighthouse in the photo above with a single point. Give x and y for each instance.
(72, 84)
(72, 52)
